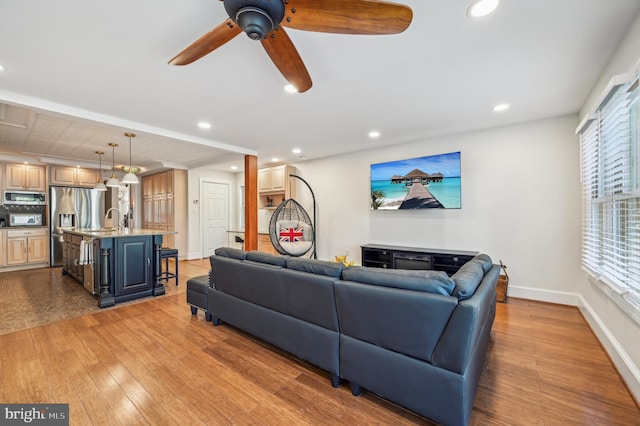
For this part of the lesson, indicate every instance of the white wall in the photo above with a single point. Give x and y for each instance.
(626, 56)
(520, 203)
(615, 329)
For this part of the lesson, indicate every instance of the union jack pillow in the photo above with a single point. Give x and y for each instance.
(291, 235)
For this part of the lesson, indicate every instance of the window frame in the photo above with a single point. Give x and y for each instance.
(610, 183)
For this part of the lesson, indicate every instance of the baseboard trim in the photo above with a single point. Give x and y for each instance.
(194, 256)
(621, 360)
(559, 297)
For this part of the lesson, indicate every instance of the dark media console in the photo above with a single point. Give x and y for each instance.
(398, 257)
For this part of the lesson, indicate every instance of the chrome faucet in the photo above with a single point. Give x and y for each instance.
(106, 215)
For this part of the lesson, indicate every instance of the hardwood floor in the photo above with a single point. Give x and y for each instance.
(40, 296)
(154, 363)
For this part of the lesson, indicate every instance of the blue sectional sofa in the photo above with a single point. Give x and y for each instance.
(417, 338)
(268, 297)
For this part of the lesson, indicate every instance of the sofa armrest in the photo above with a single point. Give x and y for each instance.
(466, 325)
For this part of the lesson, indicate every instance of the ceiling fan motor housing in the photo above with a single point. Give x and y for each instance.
(257, 18)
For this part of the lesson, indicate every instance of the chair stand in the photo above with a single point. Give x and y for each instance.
(165, 274)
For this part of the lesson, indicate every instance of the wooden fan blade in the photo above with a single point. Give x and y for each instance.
(207, 43)
(284, 54)
(347, 16)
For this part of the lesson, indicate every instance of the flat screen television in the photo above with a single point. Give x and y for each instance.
(417, 183)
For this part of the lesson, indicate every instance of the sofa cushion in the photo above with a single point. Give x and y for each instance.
(271, 259)
(484, 261)
(231, 252)
(314, 266)
(428, 281)
(467, 279)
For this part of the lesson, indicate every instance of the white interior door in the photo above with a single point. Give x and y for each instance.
(215, 215)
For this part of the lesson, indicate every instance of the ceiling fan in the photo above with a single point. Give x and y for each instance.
(265, 20)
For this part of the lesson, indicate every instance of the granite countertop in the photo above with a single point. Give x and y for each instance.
(111, 233)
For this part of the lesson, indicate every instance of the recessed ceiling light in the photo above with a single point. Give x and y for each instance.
(274, 159)
(1, 68)
(482, 8)
(374, 134)
(290, 88)
(296, 150)
(204, 125)
(234, 167)
(501, 107)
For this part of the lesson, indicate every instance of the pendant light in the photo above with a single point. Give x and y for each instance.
(100, 186)
(113, 180)
(130, 177)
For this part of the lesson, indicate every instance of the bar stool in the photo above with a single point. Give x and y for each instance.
(166, 254)
(240, 240)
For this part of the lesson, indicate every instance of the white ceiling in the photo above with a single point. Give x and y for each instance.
(79, 73)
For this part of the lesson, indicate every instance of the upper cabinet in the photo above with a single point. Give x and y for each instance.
(25, 177)
(274, 179)
(275, 185)
(74, 176)
(159, 182)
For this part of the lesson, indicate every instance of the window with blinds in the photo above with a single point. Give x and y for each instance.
(610, 173)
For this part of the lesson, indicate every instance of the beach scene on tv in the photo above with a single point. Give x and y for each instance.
(431, 182)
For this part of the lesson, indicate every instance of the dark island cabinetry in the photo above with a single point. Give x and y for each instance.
(400, 257)
(115, 264)
(134, 273)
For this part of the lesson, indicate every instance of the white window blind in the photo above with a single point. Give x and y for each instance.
(610, 172)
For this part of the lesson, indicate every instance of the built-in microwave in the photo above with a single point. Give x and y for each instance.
(25, 219)
(25, 198)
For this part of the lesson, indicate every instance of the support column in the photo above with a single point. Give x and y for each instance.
(250, 202)
(106, 297)
(158, 284)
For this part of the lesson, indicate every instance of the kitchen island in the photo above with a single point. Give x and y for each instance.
(116, 265)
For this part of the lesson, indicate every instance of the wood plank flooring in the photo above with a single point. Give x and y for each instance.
(154, 363)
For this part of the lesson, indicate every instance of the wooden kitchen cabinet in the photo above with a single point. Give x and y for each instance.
(27, 246)
(37, 249)
(275, 184)
(71, 256)
(16, 251)
(147, 186)
(274, 179)
(3, 244)
(147, 213)
(74, 176)
(25, 177)
(164, 206)
(159, 181)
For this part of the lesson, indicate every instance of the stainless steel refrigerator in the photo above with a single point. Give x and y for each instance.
(82, 208)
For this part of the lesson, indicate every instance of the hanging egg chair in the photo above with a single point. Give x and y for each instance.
(291, 230)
